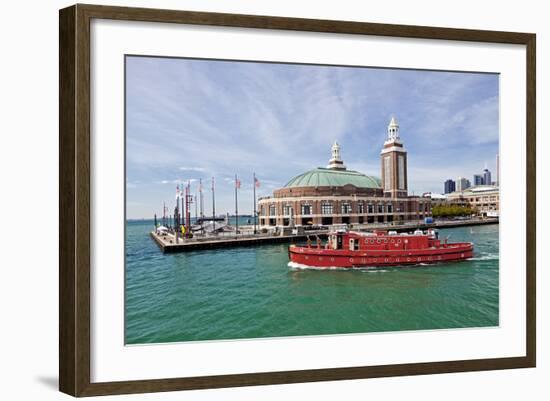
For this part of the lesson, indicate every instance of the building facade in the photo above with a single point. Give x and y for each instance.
(485, 198)
(336, 195)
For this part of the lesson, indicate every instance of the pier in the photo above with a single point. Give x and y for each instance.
(168, 243)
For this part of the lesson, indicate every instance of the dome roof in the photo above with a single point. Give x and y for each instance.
(325, 177)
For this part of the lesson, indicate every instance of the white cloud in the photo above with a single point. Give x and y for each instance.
(203, 119)
(178, 181)
(198, 169)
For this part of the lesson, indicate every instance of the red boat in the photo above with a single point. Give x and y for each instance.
(348, 249)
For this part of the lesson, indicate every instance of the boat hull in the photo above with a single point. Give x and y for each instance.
(318, 257)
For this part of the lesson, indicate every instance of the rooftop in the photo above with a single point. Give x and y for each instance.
(325, 177)
(477, 189)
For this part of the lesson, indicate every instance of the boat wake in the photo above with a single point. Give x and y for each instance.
(487, 256)
(371, 269)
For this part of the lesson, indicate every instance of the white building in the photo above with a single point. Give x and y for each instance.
(485, 198)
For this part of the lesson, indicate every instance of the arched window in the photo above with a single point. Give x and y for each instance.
(346, 208)
(326, 208)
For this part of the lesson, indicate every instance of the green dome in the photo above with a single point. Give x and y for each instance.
(326, 177)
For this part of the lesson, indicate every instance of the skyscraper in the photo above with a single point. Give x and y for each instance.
(487, 177)
(478, 179)
(462, 184)
(450, 186)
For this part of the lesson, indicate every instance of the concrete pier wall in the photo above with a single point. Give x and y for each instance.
(167, 243)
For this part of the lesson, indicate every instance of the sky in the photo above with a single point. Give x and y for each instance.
(191, 119)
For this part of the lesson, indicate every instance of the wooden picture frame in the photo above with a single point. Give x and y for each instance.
(75, 208)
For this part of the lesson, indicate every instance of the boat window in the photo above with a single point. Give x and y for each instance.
(339, 242)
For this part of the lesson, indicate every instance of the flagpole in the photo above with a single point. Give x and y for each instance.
(184, 211)
(176, 213)
(255, 212)
(184, 208)
(236, 208)
(189, 203)
(176, 224)
(201, 199)
(196, 208)
(187, 209)
(213, 206)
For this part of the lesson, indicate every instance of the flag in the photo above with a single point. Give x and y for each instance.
(212, 184)
(237, 183)
(256, 182)
(177, 192)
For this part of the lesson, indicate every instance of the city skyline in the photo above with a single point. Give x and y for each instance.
(194, 119)
(486, 177)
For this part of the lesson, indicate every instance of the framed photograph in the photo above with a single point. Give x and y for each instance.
(250, 200)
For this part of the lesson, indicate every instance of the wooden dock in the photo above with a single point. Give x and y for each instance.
(167, 243)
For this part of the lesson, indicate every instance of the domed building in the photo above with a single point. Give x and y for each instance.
(336, 195)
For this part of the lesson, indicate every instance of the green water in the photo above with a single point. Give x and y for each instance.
(250, 292)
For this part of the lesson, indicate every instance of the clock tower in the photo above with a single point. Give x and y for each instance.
(394, 163)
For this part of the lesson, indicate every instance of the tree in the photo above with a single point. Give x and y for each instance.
(452, 211)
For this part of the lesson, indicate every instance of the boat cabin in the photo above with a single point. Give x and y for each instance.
(382, 241)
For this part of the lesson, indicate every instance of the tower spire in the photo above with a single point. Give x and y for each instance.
(393, 130)
(336, 161)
